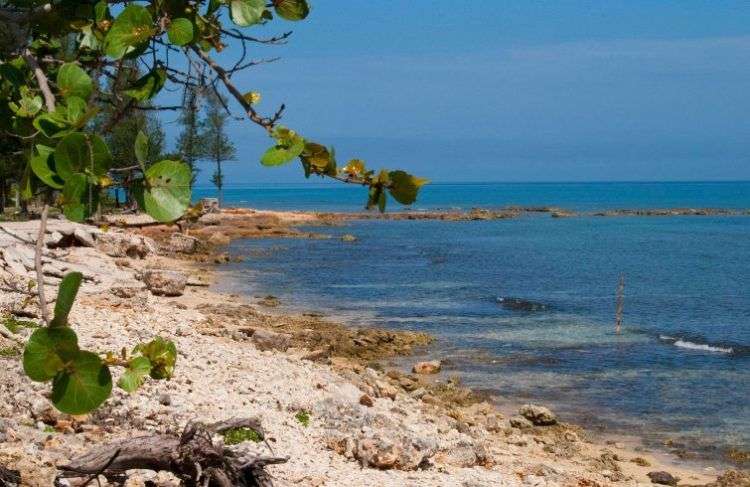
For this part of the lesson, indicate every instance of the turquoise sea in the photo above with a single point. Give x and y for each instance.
(680, 370)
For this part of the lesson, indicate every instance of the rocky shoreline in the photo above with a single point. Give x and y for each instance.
(323, 393)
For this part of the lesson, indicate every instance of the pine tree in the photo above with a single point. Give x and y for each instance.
(190, 142)
(219, 148)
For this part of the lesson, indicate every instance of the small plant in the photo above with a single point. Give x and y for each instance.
(234, 436)
(15, 325)
(303, 417)
(81, 380)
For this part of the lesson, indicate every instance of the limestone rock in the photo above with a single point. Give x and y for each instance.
(268, 340)
(431, 367)
(219, 239)
(120, 244)
(520, 422)
(184, 244)
(539, 415)
(165, 283)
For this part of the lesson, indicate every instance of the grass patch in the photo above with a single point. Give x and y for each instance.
(303, 418)
(234, 436)
(9, 352)
(15, 325)
(49, 429)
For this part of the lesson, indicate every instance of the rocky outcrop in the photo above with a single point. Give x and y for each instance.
(183, 244)
(268, 340)
(538, 415)
(164, 282)
(124, 244)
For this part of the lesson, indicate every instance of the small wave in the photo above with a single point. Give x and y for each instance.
(703, 347)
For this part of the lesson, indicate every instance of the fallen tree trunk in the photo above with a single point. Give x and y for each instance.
(193, 457)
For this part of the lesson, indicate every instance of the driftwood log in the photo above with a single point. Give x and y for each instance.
(193, 457)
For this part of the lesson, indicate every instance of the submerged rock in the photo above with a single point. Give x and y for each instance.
(518, 304)
(538, 415)
(431, 367)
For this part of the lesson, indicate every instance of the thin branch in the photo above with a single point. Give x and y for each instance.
(235, 33)
(41, 79)
(38, 265)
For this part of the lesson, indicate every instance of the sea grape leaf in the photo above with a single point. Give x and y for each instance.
(66, 296)
(47, 352)
(82, 153)
(141, 147)
(292, 9)
(75, 198)
(148, 85)
(83, 386)
(129, 32)
(404, 187)
(164, 193)
(27, 106)
(316, 155)
(43, 164)
(72, 80)
(162, 354)
(52, 125)
(135, 374)
(247, 12)
(76, 108)
(289, 145)
(180, 31)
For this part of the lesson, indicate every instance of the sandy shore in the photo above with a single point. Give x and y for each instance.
(318, 387)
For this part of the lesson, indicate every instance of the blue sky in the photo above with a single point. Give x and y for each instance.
(512, 90)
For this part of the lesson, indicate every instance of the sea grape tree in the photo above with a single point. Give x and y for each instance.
(60, 62)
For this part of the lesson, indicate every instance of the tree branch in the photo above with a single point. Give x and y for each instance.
(41, 79)
(38, 265)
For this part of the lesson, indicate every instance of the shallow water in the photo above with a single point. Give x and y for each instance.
(680, 368)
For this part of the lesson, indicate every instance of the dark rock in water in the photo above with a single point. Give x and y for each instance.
(663, 478)
(518, 304)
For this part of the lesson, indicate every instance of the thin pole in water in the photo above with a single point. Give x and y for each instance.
(620, 303)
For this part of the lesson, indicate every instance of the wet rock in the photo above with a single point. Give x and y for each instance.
(269, 301)
(663, 478)
(165, 283)
(519, 304)
(348, 238)
(538, 415)
(184, 244)
(268, 340)
(520, 422)
(431, 367)
(219, 239)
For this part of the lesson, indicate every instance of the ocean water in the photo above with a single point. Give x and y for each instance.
(679, 370)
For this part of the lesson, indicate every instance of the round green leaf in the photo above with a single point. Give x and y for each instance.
(77, 206)
(247, 12)
(130, 31)
(43, 164)
(72, 80)
(27, 106)
(281, 154)
(135, 374)
(180, 31)
(165, 191)
(47, 352)
(83, 386)
(292, 9)
(404, 187)
(82, 153)
(147, 86)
